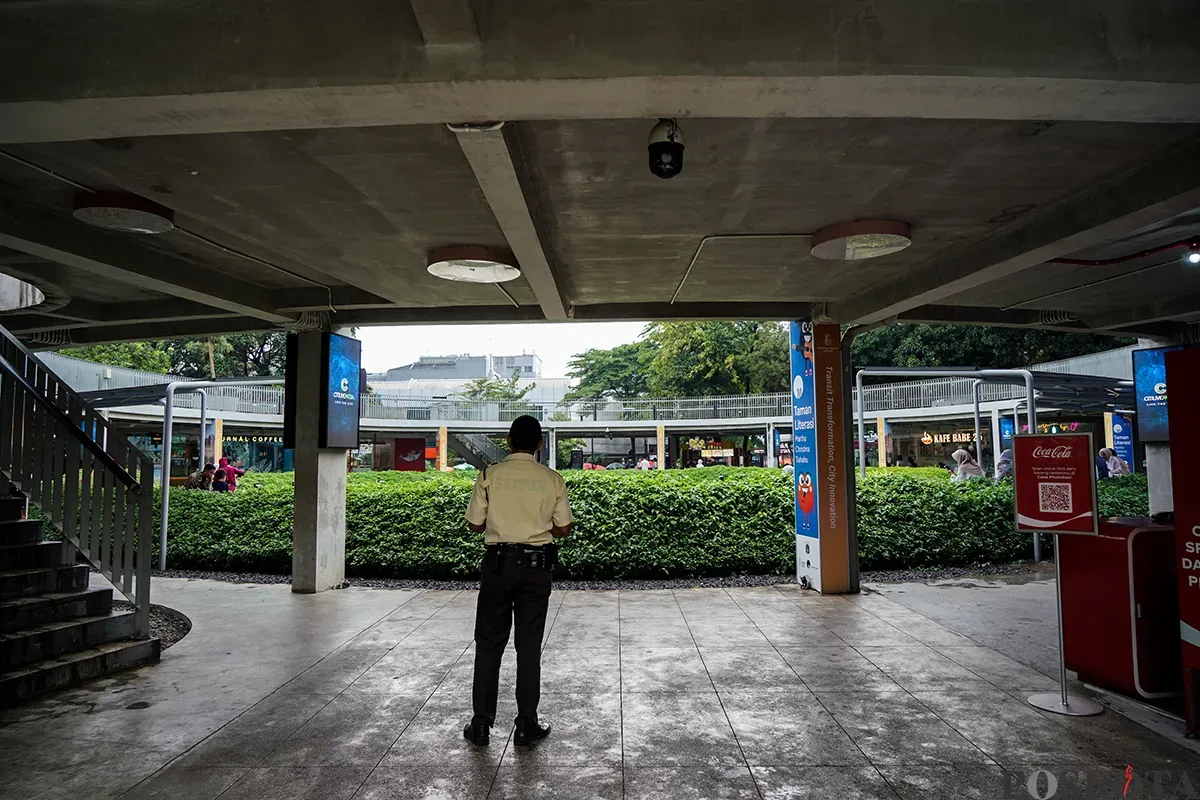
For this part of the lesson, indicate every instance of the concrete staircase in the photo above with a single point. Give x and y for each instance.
(54, 630)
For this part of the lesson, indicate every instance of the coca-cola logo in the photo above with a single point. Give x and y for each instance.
(1061, 451)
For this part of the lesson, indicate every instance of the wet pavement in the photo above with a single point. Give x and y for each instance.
(693, 693)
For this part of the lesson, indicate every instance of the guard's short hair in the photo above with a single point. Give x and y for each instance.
(525, 433)
(207, 467)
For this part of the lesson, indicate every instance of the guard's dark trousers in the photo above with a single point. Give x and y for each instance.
(514, 594)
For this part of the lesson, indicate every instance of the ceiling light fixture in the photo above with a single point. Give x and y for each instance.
(1193, 257)
(469, 264)
(864, 238)
(121, 211)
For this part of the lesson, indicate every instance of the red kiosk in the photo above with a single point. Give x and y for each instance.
(1183, 374)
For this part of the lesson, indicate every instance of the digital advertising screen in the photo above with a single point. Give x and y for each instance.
(1150, 385)
(339, 406)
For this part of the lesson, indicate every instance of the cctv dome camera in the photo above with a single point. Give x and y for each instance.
(666, 149)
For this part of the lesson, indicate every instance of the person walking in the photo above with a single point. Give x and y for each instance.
(521, 507)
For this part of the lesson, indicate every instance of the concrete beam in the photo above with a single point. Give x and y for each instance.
(446, 23)
(1168, 307)
(1157, 189)
(461, 315)
(635, 312)
(120, 258)
(495, 158)
(318, 299)
(811, 97)
(1025, 318)
(155, 331)
(87, 314)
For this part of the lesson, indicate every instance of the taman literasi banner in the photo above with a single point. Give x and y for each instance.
(1055, 482)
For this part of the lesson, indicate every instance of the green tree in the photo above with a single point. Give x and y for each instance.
(621, 372)
(767, 364)
(493, 388)
(148, 356)
(712, 358)
(238, 354)
(973, 346)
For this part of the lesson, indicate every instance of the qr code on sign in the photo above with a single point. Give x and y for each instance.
(1054, 497)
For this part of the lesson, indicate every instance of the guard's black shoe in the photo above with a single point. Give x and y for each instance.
(529, 734)
(479, 733)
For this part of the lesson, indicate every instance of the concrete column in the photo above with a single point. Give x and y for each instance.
(319, 525)
(552, 448)
(1158, 476)
(770, 446)
(661, 441)
(443, 440)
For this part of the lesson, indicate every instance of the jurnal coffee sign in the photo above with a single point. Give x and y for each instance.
(1055, 482)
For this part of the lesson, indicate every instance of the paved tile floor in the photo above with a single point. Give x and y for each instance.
(704, 693)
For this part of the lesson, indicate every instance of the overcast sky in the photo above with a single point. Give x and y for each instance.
(384, 348)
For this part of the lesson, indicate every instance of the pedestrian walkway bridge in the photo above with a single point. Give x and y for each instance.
(262, 406)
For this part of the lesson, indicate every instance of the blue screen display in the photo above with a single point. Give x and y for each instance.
(341, 401)
(1150, 384)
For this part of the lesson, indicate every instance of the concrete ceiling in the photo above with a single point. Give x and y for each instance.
(307, 159)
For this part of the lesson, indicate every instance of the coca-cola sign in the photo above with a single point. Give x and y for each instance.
(1061, 451)
(1055, 483)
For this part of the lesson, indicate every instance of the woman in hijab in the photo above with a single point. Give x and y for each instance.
(232, 473)
(1116, 465)
(967, 467)
(1004, 467)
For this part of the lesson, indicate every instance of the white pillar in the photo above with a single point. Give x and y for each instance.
(319, 527)
(552, 448)
(1158, 476)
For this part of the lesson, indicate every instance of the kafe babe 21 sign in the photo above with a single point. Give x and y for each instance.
(1055, 477)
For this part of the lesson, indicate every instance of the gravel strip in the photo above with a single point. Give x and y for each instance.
(727, 581)
(166, 624)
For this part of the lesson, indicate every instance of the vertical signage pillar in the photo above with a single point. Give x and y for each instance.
(881, 442)
(661, 447)
(818, 454)
(1183, 375)
(443, 443)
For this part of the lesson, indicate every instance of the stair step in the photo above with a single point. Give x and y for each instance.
(27, 556)
(21, 531)
(39, 580)
(19, 648)
(20, 613)
(12, 508)
(73, 668)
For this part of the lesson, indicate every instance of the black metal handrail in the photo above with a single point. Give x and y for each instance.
(90, 444)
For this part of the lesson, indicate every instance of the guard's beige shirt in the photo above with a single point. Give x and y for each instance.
(519, 500)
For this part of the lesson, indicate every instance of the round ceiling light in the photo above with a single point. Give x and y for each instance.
(864, 238)
(473, 264)
(128, 213)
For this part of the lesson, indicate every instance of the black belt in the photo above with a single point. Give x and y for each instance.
(534, 556)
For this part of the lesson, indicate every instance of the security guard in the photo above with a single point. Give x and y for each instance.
(523, 507)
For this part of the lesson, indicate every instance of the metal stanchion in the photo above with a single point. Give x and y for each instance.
(1062, 703)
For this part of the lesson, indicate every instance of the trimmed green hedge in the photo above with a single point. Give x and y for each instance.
(712, 521)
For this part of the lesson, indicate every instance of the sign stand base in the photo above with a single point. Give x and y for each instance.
(1074, 707)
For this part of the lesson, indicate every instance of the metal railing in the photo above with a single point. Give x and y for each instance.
(87, 479)
(268, 400)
